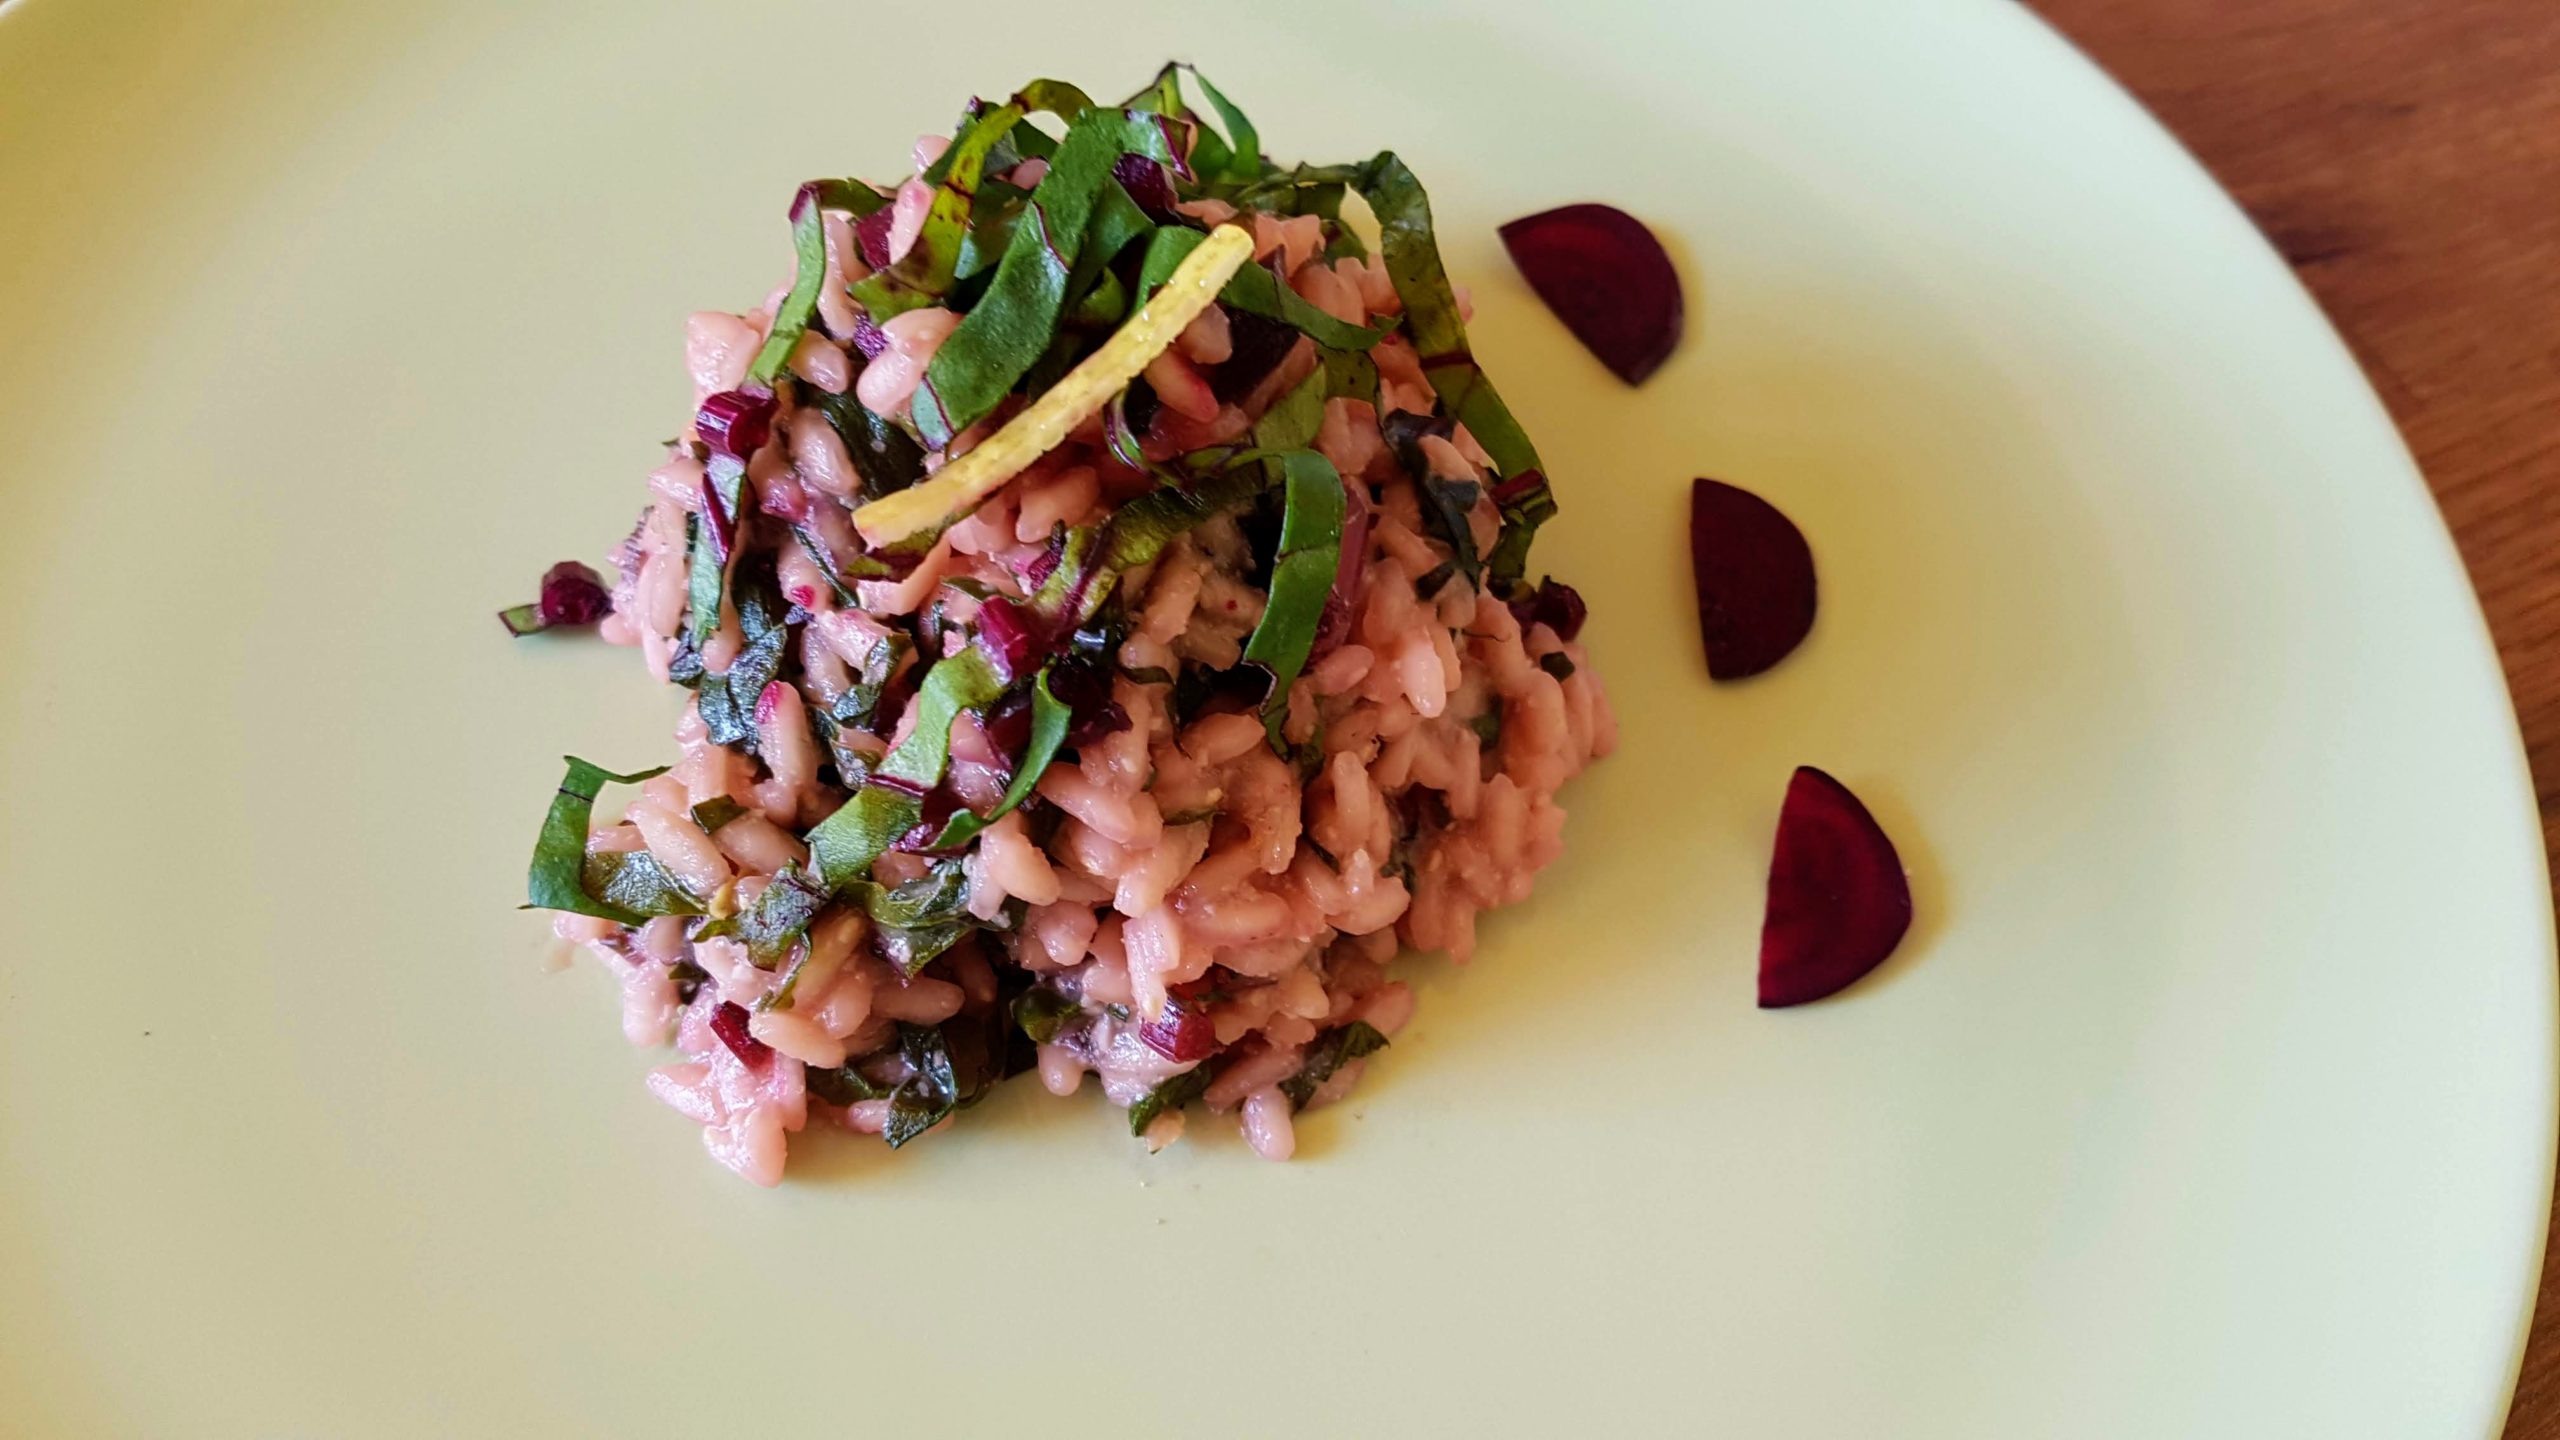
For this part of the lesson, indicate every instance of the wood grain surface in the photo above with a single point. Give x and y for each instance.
(2405, 156)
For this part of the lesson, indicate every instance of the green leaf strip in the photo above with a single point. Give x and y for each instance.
(1049, 717)
(791, 320)
(1440, 339)
(556, 879)
(1253, 289)
(1005, 333)
(1331, 1051)
(925, 273)
(1301, 577)
(843, 845)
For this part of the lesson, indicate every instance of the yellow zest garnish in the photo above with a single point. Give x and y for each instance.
(959, 487)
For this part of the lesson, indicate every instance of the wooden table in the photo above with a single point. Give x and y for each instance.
(2405, 156)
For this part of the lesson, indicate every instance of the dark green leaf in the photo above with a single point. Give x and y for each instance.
(634, 881)
(1243, 160)
(715, 812)
(560, 853)
(1526, 503)
(924, 274)
(1117, 224)
(1025, 139)
(991, 221)
(523, 620)
(1174, 1093)
(1040, 1011)
(886, 456)
(727, 701)
(866, 567)
(1351, 375)
(1138, 531)
(1488, 727)
(845, 843)
(1054, 97)
(1330, 1052)
(1030, 142)
(1166, 250)
(1049, 717)
(689, 978)
(781, 915)
(1310, 550)
(1102, 307)
(1011, 325)
(1440, 339)
(708, 559)
(1446, 504)
(1252, 289)
(1447, 501)
(1162, 95)
(1295, 191)
(938, 896)
(1294, 419)
(704, 575)
(854, 197)
(861, 700)
(927, 1094)
(1260, 292)
(844, 1084)
(912, 949)
(791, 320)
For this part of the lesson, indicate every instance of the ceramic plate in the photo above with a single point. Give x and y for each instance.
(2213, 1094)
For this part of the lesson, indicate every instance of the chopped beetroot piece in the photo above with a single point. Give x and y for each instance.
(1147, 183)
(1556, 605)
(868, 338)
(1009, 636)
(871, 236)
(1838, 900)
(1180, 1034)
(1257, 346)
(1754, 575)
(1606, 278)
(938, 806)
(736, 422)
(572, 594)
(1350, 574)
(729, 1022)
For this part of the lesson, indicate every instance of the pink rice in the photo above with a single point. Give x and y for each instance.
(1183, 865)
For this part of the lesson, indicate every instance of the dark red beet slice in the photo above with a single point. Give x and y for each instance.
(572, 594)
(1838, 900)
(736, 422)
(871, 236)
(1556, 604)
(1180, 1034)
(1755, 579)
(1147, 183)
(868, 337)
(729, 1022)
(1607, 279)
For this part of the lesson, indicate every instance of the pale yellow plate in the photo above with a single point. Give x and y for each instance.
(2211, 1097)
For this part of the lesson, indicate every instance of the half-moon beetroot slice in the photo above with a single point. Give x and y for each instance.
(1607, 279)
(1838, 900)
(1754, 575)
